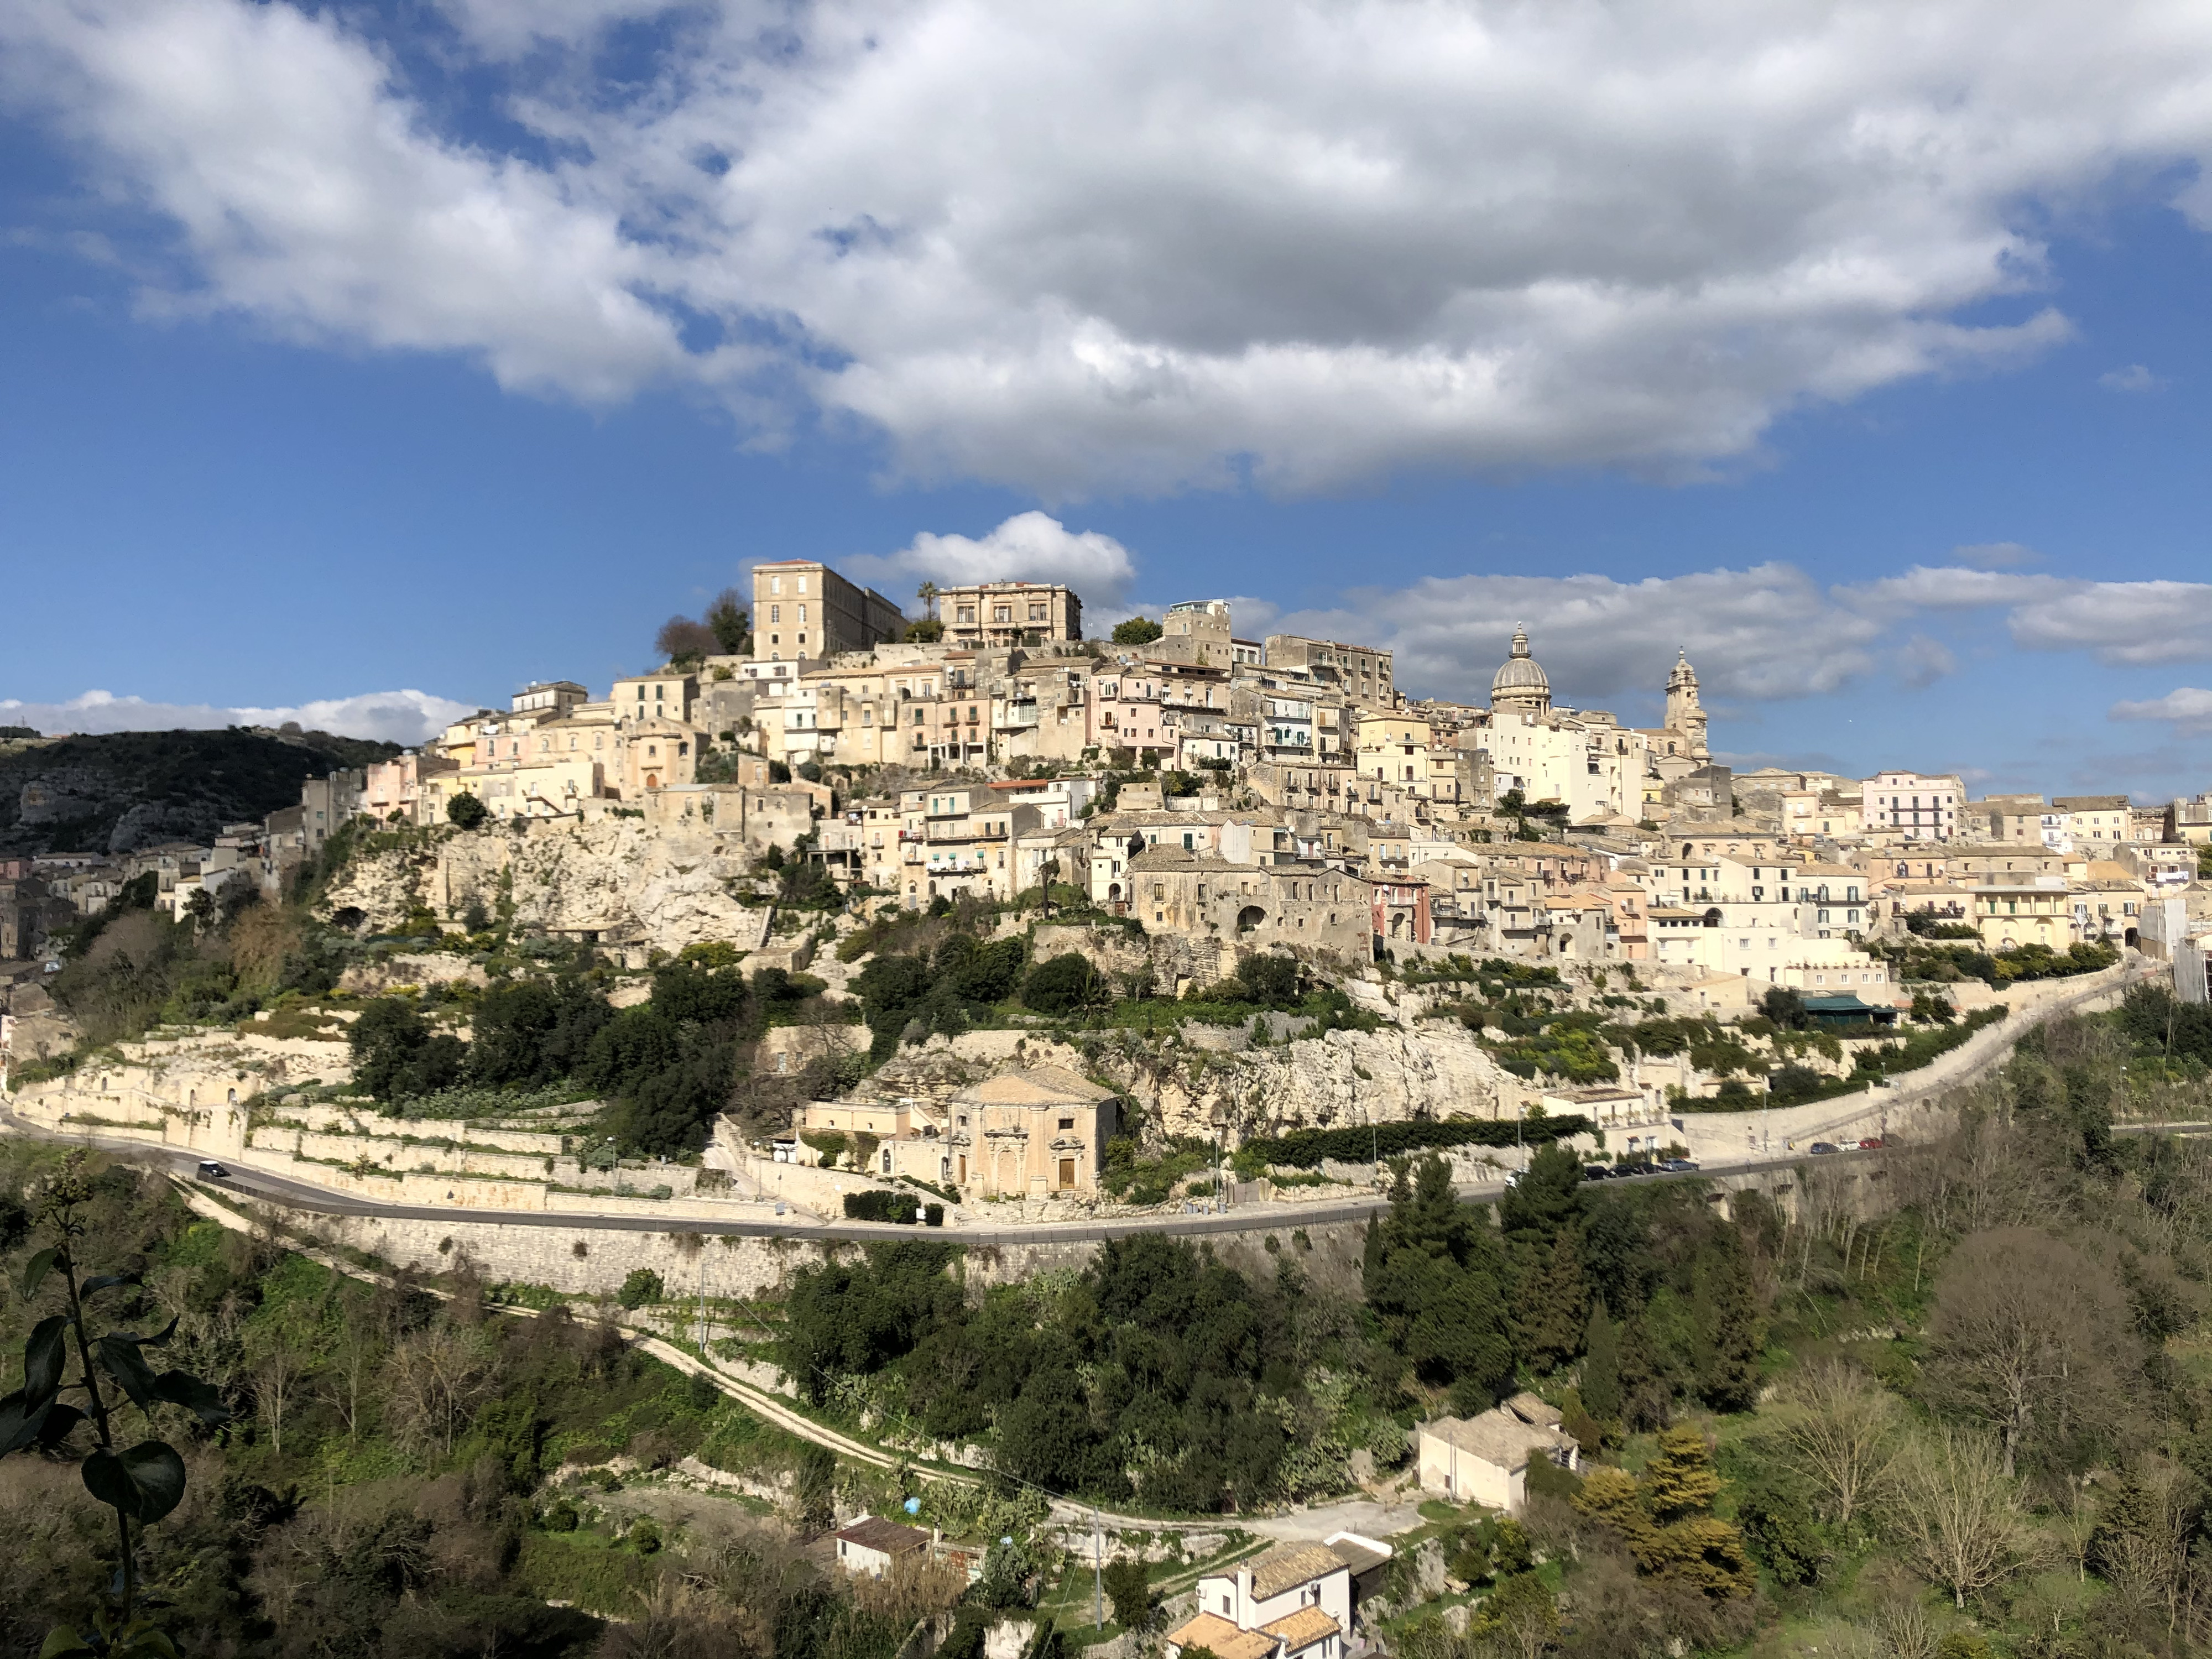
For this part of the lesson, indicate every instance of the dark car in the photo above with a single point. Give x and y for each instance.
(1597, 1172)
(213, 1172)
(1676, 1165)
(1823, 1146)
(1636, 1166)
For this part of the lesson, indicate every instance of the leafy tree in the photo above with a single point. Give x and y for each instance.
(1129, 1587)
(397, 1056)
(1433, 1278)
(1268, 979)
(1062, 986)
(1137, 630)
(728, 618)
(141, 1484)
(464, 810)
(641, 1286)
(1785, 1007)
(1537, 1208)
(533, 1032)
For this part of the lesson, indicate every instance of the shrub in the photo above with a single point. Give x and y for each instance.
(932, 1215)
(1062, 985)
(643, 1285)
(466, 810)
(877, 1205)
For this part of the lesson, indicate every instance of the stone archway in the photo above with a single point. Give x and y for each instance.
(1250, 918)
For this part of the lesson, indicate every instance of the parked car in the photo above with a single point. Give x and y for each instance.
(1635, 1166)
(1872, 1144)
(1597, 1172)
(1676, 1165)
(211, 1170)
(1823, 1146)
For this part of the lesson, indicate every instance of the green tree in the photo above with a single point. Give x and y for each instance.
(1540, 1204)
(641, 1286)
(1552, 1304)
(1433, 1278)
(731, 622)
(1137, 630)
(1129, 1587)
(1600, 1384)
(1730, 1334)
(1269, 980)
(1064, 985)
(466, 810)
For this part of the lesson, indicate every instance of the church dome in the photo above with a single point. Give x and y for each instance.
(1521, 679)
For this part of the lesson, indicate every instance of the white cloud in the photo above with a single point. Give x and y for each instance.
(1767, 632)
(1920, 661)
(2134, 377)
(1154, 244)
(1029, 547)
(2189, 707)
(405, 717)
(1996, 555)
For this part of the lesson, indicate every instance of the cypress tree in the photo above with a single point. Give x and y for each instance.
(1646, 1397)
(1551, 1303)
(1600, 1389)
(1729, 1332)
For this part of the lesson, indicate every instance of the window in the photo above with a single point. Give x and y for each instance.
(775, 584)
(1068, 1123)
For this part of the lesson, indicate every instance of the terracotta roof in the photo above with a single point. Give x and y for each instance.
(1301, 1630)
(1288, 1566)
(1040, 1085)
(1217, 1635)
(875, 1533)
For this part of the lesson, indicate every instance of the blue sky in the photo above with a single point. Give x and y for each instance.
(433, 348)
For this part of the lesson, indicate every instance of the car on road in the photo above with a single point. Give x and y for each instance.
(1676, 1165)
(211, 1170)
(1823, 1146)
(1635, 1166)
(1871, 1144)
(1597, 1172)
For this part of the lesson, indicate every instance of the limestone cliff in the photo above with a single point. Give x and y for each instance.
(613, 879)
(1343, 1078)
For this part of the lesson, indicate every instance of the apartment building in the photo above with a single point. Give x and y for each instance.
(804, 611)
(1361, 673)
(1005, 614)
(1912, 806)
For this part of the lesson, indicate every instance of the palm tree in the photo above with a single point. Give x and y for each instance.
(927, 594)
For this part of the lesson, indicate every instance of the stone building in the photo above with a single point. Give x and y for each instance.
(1010, 614)
(804, 611)
(1035, 1133)
(1234, 903)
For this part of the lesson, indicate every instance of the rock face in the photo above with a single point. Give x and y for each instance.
(1344, 1078)
(610, 879)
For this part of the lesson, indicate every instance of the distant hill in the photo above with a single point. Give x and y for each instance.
(117, 791)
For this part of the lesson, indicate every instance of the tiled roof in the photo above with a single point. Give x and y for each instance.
(1288, 1566)
(1301, 1630)
(1040, 1085)
(1218, 1635)
(875, 1533)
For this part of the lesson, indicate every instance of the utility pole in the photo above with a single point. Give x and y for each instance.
(702, 1304)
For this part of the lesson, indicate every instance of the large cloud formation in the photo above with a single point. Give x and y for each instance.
(1156, 244)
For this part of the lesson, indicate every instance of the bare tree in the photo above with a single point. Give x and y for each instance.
(1841, 1432)
(278, 1370)
(433, 1380)
(2029, 1335)
(1954, 1513)
(351, 1365)
(681, 640)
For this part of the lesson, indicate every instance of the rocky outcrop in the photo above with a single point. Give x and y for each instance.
(1343, 1078)
(611, 879)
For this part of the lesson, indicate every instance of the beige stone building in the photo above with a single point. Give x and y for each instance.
(1484, 1459)
(1035, 1133)
(1362, 673)
(804, 611)
(1196, 632)
(1010, 614)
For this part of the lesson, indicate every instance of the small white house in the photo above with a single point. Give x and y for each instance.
(1293, 1602)
(1484, 1459)
(873, 1545)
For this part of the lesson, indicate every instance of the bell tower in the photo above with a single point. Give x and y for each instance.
(1683, 713)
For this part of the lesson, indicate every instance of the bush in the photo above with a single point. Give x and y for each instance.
(644, 1537)
(466, 810)
(562, 1518)
(1305, 1149)
(1062, 986)
(1137, 630)
(1271, 981)
(932, 1215)
(643, 1285)
(877, 1205)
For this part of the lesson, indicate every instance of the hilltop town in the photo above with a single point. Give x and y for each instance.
(1296, 899)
